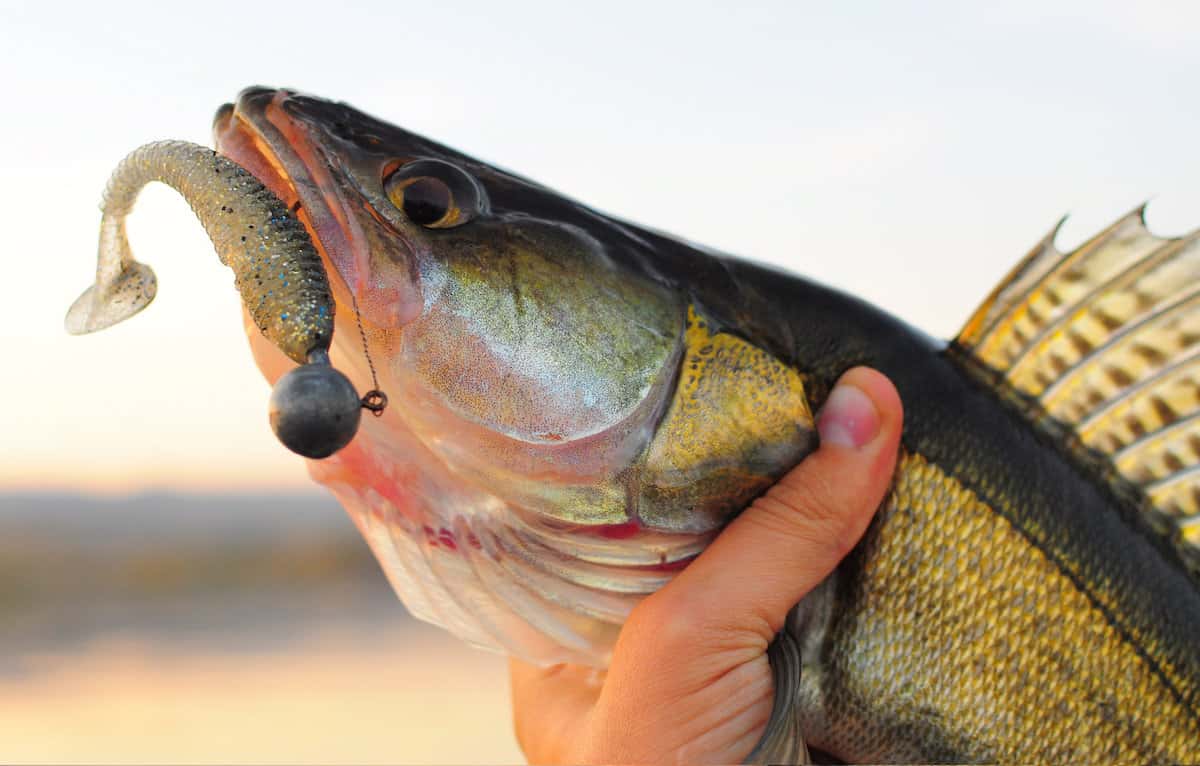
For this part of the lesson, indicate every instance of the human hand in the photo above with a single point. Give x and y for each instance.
(689, 680)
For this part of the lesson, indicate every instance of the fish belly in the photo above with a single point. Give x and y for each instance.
(952, 637)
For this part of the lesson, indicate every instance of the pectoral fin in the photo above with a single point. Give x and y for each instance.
(782, 741)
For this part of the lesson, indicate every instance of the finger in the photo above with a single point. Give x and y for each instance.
(792, 537)
(550, 707)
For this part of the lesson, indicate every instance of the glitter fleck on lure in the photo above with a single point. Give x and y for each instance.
(276, 269)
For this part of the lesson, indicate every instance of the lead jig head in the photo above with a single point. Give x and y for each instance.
(314, 409)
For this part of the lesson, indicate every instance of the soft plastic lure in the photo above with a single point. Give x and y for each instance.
(314, 409)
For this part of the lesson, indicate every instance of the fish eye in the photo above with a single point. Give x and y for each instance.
(434, 194)
(425, 200)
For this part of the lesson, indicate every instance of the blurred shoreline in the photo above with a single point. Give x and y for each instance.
(214, 569)
(224, 627)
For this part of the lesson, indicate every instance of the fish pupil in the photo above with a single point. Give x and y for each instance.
(426, 201)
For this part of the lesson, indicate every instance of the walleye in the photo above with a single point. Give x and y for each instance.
(580, 404)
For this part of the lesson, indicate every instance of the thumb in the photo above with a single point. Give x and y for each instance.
(792, 537)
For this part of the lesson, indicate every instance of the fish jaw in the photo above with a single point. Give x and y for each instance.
(372, 263)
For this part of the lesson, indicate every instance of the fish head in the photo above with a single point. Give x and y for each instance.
(529, 353)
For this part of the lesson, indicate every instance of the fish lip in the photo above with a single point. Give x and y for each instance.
(260, 132)
(242, 133)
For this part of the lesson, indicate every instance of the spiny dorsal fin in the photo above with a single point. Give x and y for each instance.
(1106, 339)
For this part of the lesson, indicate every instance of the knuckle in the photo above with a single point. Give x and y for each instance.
(811, 495)
(672, 623)
(809, 512)
(667, 618)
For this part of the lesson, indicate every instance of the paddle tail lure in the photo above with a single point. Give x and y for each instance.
(314, 409)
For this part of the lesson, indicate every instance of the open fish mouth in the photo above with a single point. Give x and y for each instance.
(269, 133)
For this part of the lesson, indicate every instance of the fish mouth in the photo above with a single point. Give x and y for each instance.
(303, 164)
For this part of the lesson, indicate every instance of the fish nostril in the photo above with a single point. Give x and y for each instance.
(224, 112)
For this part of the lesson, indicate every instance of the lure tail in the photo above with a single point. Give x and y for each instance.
(105, 304)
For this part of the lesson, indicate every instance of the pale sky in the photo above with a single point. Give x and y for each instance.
(910, 157)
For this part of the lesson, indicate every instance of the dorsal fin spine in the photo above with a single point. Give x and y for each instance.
(1104, 344)
(1059, 264)
(1143, 320)
(1142, 385)
(1147, 439)
(1153, 256)
(975, 327)
(1167, 482)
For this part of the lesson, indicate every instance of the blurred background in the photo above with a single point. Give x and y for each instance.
(171, 586)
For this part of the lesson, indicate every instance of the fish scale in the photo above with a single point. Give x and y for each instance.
(957, 639)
